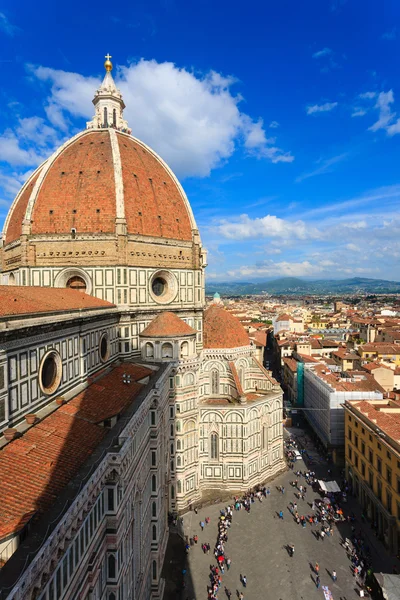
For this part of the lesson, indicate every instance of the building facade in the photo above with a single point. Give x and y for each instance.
(373, 464)
(122, 397)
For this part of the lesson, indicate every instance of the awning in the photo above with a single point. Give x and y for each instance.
(390, 585)
(329, 486)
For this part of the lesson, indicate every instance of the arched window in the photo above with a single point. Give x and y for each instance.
(105, 117)
(184, 349)
(149, 350)
(189, 379)
(11, 279)
(178, 461)
(241, 376)
(179, 487)
(114, 117)
(172, 448)
(166, 351)
(112, 596)
(154, 509)
(172, 492)
(214, 446)
(154, 533)
(111, 567)
(154, 569)
(153, 483)
(265, 437)
(215, 381)
(178, 425)
(172, 466)
(178, 444)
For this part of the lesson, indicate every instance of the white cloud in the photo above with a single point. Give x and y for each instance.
(321, 53)
(367, 95)
(317, 108)
(270, 226)
(279, 269)
(353, 247)
(359, 112)
(325, 167)
(385, 99)
(274, 125)
(7, 27)
(194, 122)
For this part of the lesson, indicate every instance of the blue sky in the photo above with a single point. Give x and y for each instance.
(282, 119)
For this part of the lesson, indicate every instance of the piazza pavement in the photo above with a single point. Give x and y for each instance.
(257, 544)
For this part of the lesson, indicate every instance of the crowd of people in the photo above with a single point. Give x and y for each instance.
(322, 511)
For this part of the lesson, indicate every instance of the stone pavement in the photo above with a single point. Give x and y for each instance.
(257, 547)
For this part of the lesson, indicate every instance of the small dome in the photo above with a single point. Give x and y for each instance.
(222, 329)
(167, 324)
(216, 296)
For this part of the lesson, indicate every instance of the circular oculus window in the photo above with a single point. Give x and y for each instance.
(104, 347)
(50, 372)
(163, 287)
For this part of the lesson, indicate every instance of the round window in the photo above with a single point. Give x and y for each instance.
(76, 283)
(159, 286)
(163, 287)
(104, 347)
(50, 372)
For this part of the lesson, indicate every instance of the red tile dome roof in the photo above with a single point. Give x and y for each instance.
(96, 178)
(167, 324)
(222, 329)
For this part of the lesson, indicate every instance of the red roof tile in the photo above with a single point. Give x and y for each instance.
(23, 300)
(222, 329)
(167, 324)
(37, 466)
(78, 191)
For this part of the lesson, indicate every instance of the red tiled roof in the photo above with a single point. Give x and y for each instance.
(37, 466)
(78, 191)
(23, 300)
(388, 422)
(222, 329)
(380, 348)
(167, 324)
(259, 337)
(236, 378)
(283, 317)
(291, 363)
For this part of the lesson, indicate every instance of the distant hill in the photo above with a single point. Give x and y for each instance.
(295, 285)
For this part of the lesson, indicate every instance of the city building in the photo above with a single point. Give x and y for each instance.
(373, 463)
(325, 392)
(121, 398)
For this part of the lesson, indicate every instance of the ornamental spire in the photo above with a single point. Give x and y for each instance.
(108, 103)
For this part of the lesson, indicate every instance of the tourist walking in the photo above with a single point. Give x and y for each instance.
(281, 514)
(334, 576)
(317, 581)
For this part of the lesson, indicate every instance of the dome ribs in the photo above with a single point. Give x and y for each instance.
(77, 183)
(153, 201)
(14, 228)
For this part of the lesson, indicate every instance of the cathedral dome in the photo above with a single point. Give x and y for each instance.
(102, 181)
(222, 329)
(100, 177)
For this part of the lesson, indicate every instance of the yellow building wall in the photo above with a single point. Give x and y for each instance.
(357, 433)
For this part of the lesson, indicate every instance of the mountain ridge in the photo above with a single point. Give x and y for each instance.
(296, 285)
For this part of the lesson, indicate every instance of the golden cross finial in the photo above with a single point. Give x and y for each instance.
(108, 64)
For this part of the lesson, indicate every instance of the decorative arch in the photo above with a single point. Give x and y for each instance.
(189, 379)
(73, 274)
(11, 279)
(149, 350)
(167, 350)
(184, 349)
